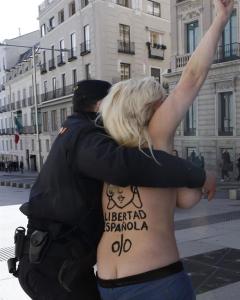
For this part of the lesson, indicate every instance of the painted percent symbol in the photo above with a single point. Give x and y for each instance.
(121, 246)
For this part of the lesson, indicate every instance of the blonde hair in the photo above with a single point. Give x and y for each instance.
(127, 110)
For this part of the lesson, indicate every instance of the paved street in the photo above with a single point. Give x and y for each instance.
(207, 236)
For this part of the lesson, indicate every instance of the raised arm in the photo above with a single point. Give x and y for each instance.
(170, 113)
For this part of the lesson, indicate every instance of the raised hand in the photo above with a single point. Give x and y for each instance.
(224, 8)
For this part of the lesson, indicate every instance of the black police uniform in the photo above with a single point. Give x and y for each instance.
(65, 201)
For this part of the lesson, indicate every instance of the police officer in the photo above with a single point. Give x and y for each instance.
(64, 208)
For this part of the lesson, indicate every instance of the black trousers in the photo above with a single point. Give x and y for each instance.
(40, 281)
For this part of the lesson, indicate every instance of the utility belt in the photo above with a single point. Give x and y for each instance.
(76, 259)
(35, 246)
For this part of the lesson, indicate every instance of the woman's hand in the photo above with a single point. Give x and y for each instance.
(224, 8)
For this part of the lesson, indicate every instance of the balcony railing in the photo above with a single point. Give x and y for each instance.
(228, 52)
(126, 47)
(29, 129)
(85, 48)
(182, 60)
(190, 131)
(8, 131)
(156, 51)
(43, 68)
(2, 109)
(72, 54)
(60, 60)
(226, 131)
(51, 64)
(67, 90)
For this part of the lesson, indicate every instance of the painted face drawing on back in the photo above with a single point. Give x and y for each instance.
(121, 198)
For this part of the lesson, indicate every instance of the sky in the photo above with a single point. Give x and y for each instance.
(15, 14)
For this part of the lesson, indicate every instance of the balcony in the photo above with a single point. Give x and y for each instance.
(43, 68)
(85, 48)
(60, 60)
(29, 129)
(10, 131)
(156, 51)
(126, 47)
(225, 131)
(51, 64)
(227, 52)
(2, 109)
(72, 54)
(67, 90)
(182, 60)
(2, 87)
(190, 131)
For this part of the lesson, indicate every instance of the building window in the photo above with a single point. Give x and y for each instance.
(62, 47)
(156, 73)
(63, 115)
(190, 121)
(74, 77)
(63, 79)
(192, 36)
(125, 71)
(73, 45)
(88, 71)
(54, 120)
(43, 30)
(54, 86)
(225, 114)
(61, 16)
(45, 121)
(47, 146)
(11, 144)
(86, 36)
(51, 23)
(153, 8)
(21, 144)
(33, 145)
(72, 8)
(230, 46)
(126, 3)
(84, 3)
(45, 91)
(124, 31)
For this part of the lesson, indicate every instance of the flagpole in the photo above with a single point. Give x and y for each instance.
(36, 107)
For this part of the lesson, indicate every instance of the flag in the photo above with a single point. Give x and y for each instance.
(18, 130)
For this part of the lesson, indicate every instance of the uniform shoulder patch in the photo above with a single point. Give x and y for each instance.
(62, 130)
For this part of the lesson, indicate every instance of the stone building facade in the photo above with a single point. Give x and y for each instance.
(212, 124)
(111, 40)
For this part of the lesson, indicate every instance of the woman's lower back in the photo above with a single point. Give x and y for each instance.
(139, 231)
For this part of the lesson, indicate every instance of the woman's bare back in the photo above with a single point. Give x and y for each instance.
(139, 231)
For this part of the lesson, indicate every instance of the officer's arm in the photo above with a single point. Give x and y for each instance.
(98, 156)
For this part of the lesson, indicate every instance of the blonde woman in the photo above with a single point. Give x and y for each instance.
(137, 255)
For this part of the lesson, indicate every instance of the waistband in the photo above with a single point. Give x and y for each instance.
(155, 274)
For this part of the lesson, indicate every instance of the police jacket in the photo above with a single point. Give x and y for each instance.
(69, 186)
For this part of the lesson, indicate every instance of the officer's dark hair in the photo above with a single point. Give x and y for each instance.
(87, 93)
